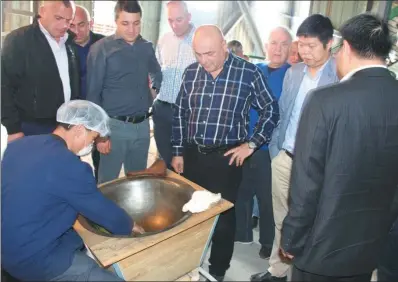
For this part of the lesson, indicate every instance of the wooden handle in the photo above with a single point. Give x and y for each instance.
(158, 168)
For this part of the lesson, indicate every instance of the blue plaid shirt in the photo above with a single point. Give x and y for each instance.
(216, 111)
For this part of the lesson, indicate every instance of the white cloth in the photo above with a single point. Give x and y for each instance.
(61, 58)
(201, 201)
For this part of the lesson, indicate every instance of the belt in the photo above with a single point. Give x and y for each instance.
(209, 149)
(133, 119)
(164, 102)
(290, 155)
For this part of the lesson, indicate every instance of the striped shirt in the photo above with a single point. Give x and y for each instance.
(216, 111)
(174, 56)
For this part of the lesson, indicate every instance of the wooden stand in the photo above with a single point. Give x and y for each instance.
(167, 256)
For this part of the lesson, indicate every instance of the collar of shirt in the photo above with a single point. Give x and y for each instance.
(319, 73)
(189, 36)
(62, 40)
(351, 73)
(119, 37)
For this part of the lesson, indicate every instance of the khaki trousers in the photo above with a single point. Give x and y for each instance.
(281, 168)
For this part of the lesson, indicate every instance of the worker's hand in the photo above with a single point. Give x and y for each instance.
(14, 136)
(178, 164)
(239, 154)
(138, 229)
(104, 146)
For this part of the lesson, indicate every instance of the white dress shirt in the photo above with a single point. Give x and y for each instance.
(174, 56)
(61, 57)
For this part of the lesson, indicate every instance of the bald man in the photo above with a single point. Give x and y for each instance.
(81, 26)
(294, 56)
(257, 170)
(39, 71)
(174, 53)
(210, 128)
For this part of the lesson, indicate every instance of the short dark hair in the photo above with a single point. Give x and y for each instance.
(129, 6)
(317, 26)
(233, 45)
(368, 36)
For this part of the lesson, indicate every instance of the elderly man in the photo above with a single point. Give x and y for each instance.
(294, 56)
(257, 169)
(85, 38)
(174, 53)
(40, 244)
(210, 134)
(318, 69)
(236, 48)
(344, 174)
(117, 79)
(39, 71)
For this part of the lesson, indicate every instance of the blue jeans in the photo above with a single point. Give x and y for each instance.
(84, 268)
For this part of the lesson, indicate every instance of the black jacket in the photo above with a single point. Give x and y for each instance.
(31, 86)
(344, 176)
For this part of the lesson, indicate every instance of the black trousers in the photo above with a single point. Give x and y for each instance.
(388, 264)
(212, 172)
(162, 126)
(256, 181)
(95, 155)
(302, 276)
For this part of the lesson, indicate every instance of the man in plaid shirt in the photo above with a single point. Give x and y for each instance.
(210, 128)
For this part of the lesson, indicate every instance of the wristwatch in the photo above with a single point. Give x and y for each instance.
(252, 145)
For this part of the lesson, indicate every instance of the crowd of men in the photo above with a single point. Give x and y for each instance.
(309, 137)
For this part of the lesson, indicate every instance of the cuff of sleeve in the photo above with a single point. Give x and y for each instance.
(259, 140)
(13, 128)
(177, 151)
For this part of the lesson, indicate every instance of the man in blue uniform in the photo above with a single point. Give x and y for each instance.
(44, 187)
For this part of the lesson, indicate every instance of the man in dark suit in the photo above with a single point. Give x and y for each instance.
(85, 38)
(39, 71)
(344, 173)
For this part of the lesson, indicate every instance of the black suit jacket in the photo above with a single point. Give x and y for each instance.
(344, 176)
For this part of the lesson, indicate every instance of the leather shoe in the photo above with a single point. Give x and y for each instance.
(265, 252)
(266, 277)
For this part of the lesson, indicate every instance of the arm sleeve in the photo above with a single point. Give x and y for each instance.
(12, 71)
(96, 69)
(307, 177)
(155, 71)
(179, 119)
(273, 144)
(81, 192)
(267, 107)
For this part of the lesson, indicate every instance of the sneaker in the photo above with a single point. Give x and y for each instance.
(265, 252)
(266, 277)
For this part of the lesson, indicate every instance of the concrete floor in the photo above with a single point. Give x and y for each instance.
(245, 260)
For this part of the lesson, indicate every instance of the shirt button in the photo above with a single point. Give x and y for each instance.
(212, 82)
(201, 135)
(204, 121)
(207, 109)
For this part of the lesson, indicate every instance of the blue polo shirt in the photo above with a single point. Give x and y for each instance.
(44, 188)
(83, 54)
(275, 81)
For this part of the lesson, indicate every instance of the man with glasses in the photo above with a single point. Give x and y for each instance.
(344, 173)
(81, 26)
(315, 37)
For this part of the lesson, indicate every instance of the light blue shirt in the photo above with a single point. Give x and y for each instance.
(309, 83)
(174, 56)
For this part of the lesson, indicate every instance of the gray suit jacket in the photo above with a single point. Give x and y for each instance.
(291, 85)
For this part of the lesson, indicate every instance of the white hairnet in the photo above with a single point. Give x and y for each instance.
(88, 114)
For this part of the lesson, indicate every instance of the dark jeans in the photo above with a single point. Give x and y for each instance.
(213, 172)
(256, 180)
(34, 128)
(388, 265)
(302, 276)
(162, 125)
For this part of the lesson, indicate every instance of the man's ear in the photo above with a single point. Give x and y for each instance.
(91, 24)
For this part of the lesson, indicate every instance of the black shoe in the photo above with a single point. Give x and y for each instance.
(266, 277)
(217, 277)
(265, 252)
(254, 222)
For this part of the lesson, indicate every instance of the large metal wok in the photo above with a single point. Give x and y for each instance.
(154, 202)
